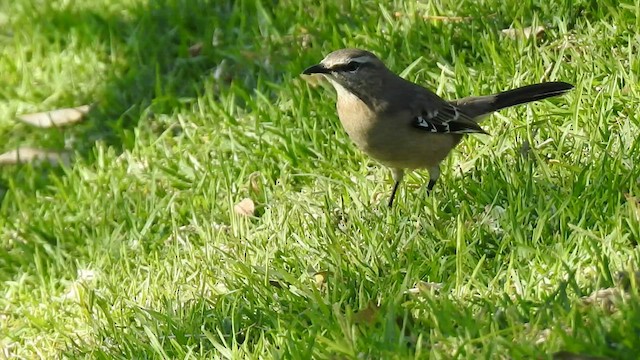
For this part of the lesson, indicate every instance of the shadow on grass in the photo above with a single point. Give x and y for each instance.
(152, 72)
(153, 69)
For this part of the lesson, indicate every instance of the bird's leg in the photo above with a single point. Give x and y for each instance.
(434, 174)
(397, 175)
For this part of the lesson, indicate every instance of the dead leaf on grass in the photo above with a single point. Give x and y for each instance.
(245, 207)
(56, 118)
(24, 155)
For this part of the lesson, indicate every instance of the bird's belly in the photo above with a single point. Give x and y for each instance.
(394, 144)
(405, 148)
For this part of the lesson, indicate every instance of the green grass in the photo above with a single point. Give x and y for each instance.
(134, 251)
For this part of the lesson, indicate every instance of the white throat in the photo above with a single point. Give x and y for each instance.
(341, 90)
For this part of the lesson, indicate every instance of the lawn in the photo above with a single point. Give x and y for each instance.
(135, 249)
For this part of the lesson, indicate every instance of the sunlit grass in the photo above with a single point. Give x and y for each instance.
(134, 250)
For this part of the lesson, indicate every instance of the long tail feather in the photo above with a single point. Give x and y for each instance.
(475, 106)
(530, 93)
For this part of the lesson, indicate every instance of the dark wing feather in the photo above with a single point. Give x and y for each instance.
(446, 119)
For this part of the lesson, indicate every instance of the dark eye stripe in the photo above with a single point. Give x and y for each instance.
(351, 66)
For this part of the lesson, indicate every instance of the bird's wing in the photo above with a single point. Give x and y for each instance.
(443, 118)
(433, 114)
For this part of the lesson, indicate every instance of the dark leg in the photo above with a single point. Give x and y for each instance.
(434, 174)
(430, 186)
(397, 174)
(393, 193)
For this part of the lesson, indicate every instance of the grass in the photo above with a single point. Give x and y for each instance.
(134, 250)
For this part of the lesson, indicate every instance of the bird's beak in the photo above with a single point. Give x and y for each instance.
(316, 69)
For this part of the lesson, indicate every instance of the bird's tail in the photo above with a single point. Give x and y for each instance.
(481, 105)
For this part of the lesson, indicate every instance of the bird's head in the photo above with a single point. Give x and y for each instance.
(352, 70)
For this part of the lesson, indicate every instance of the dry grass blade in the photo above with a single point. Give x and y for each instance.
(27, 154)
(524, 33)
(56, 118)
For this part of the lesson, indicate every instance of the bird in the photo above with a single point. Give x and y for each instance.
(403, 125)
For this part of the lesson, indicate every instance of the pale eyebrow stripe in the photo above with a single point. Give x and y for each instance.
(363, 59)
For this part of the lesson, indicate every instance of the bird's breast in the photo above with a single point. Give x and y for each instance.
(356, 118)
(391, 139)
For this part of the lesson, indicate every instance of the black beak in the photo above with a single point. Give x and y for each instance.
(316, 69)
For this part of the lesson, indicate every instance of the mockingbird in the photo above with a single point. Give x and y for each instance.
(403, 125)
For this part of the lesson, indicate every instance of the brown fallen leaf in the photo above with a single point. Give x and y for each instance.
(567, 355)
(195, 49)
(24, 155)
(56, 118)
(525, 33)
(245, 207)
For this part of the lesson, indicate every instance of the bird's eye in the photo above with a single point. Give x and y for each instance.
(352, 66)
